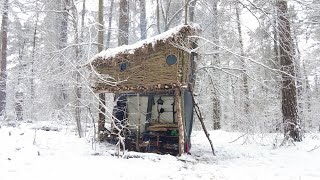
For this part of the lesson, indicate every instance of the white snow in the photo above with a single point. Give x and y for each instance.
(129, 49)
(27, 152)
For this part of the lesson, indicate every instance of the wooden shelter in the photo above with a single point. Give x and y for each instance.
(152, 80)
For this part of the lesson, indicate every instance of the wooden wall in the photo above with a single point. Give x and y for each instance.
(146, 70)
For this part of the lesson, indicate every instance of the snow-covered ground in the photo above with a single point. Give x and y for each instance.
(27, 153)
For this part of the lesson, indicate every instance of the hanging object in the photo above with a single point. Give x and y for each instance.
(160, 105)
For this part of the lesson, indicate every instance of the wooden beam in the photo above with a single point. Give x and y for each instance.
(180, 121)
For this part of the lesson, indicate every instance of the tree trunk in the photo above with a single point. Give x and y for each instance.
(123, 23)
(102, 97)
(158, 17)
(186, 12)
(276, 40)
(32, 85)
(143, 20)
(299, 79)
(3, 60)
(191, 10)
(307, 88)
(180, 120)
(216, 112)
(235, 103)
(307, 97)
(245, 88)
(19, 92)
(76, 74)
(289, 96)
(63, 40)
(110, 24)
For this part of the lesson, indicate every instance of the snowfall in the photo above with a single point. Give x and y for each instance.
(54, 152)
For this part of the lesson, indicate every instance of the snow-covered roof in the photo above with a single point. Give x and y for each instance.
(130, 49)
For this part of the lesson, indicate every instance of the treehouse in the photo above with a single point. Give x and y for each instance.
(152, 81)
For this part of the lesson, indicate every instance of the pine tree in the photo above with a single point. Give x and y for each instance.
(3, 60)
(289, 93)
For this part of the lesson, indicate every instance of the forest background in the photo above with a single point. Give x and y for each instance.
(258, 72)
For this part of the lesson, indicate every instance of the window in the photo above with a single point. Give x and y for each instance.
(171, 59)
(123, 66)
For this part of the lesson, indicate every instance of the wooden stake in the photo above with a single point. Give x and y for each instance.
(180, 122)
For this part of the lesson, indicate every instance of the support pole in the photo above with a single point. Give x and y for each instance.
(139, 124)
(102, 116)
(180, 122)
(198, 112)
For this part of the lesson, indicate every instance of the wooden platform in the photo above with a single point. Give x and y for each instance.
(162, 127)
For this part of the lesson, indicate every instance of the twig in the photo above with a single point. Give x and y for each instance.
(315, 147)
(238, 138)
(284, 140)
(34, 137)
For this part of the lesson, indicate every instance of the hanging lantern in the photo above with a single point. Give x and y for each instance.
(160, 105)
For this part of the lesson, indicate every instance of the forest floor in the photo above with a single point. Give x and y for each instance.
(54, 152)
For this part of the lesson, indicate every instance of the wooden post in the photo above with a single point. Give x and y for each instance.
(139, 124)
(180, 121)
(102, 116)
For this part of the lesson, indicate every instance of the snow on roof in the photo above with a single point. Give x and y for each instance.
(130, 49)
